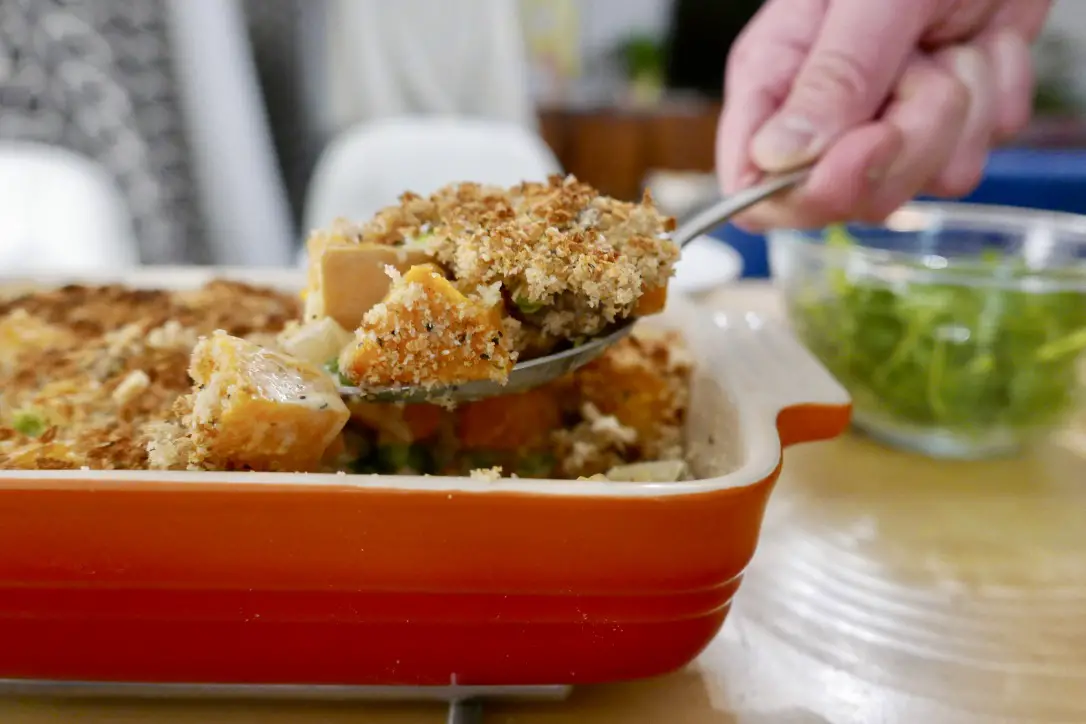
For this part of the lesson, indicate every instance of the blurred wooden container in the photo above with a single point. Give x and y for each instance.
(614, 147)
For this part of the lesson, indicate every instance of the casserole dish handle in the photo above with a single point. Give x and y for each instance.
(781, 382)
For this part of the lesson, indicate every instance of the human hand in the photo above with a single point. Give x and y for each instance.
(890, 98)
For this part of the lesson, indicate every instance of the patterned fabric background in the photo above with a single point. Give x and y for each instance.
(95, 76)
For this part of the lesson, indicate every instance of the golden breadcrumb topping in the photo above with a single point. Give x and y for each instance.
(412, 218)
(426, 333)
(488, 475)
(116, 361)
(108, 378)
(570, 260)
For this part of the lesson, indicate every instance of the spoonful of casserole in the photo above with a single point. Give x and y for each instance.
(480, 291)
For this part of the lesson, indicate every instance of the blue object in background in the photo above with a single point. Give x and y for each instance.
(752, 247)
(1053, 180)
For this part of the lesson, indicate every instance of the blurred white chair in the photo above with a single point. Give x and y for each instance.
(368, 167)
(163, 99)
(385, 59)
(60, 211)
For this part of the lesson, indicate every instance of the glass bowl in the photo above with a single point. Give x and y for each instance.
(958, 329)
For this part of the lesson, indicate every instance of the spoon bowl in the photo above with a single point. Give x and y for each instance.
(523, 377)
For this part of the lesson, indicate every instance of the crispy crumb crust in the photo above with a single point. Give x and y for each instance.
(112, 377)
(83, 389)
(426, 333)
(576, 260)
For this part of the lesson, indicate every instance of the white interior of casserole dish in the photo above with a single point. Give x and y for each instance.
(747, 369)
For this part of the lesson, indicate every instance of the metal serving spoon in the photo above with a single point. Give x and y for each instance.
(538, 371)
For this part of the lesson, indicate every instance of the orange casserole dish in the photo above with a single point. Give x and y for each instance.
(253, 578)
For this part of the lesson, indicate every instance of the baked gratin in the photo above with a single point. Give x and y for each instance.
(499, 274)
(432, 292)
(231, 377)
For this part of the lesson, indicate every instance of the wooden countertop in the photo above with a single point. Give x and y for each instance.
(887, 588)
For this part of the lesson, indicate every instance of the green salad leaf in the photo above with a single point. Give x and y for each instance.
(967, 358)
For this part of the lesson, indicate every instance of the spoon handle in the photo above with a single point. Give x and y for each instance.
(728, 207)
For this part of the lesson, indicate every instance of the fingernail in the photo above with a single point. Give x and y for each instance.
(1006, 48)
(1010, 60)
(785, 143)
(747, 180)
(881, 164)
(878, 171)
(968, 64)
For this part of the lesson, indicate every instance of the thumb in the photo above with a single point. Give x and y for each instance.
(847, 76)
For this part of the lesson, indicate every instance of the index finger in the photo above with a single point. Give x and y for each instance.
(860, 51)
(761, 67)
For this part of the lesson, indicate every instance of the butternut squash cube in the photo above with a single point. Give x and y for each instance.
(398, 423)
(258, 409)
(427, 333)
(652, 301)
(511, 423)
